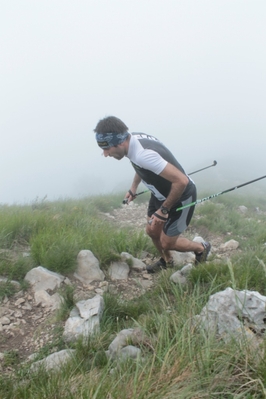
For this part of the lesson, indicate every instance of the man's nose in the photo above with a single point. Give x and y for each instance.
(106, 152)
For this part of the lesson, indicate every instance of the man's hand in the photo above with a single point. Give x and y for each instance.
(130, 196)
(158, 219)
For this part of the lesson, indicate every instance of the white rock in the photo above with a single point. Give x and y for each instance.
(178, 278)
(26, 306)
(181, 258)
(43, 279)
(231, 312)
(4, 321)
(120, 341)
(88, 269)
(145, 283)
(229, 245)
(77, 327)
(187, 269)
(84, 319)
(99, 291)
(4, 310)
(90, 307)
(118, 271)
(54, 361)
(137, 264)
(19, 301)
(198, 239)
(45, 300)
(129, 351)
(243, 209)
(18, 314)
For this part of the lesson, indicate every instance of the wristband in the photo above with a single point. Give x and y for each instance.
(132, 195)
(160, 217)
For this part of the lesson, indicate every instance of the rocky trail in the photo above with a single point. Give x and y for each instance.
(26, 326)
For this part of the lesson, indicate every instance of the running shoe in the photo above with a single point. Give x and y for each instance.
(202, 257)
(156, 267)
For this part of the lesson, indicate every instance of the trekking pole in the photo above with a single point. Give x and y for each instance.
(192, 173)
(142, 192)
(196, 171)
(222, 192)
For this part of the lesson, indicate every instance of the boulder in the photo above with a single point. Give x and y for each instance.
(88, 269)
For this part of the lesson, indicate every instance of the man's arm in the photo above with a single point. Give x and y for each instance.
(179, 182)
(133, 188)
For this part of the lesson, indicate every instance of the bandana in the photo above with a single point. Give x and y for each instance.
(107, 140)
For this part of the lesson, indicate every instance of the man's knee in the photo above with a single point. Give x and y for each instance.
(153, 233)
(168, 243)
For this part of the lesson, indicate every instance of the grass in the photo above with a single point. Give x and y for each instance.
(178, 360)
(57, 231)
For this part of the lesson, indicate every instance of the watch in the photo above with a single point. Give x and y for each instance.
(164, 210)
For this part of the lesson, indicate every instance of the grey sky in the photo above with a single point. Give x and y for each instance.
(190, 72)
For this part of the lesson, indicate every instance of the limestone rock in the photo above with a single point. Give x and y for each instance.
(137, 264)
(118, 271)
(90, 307)
(84, 319)
(4, 321)
(129, 351)
(43, 279)
(187, 269)
(119, 342)
(178, 278)
(54, 361)
(88, 269)
(243, 209)
(45, 300)
(232, 313)
(181, 258)
(229, 245)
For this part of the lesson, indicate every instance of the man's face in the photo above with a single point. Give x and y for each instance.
(116, 152)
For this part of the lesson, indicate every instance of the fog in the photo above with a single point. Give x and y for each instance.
(190, 72)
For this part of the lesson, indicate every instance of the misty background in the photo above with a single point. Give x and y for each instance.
(190, 72)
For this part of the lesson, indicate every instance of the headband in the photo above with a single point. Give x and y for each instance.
(107, 140)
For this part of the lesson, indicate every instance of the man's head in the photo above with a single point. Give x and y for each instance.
(111, 132)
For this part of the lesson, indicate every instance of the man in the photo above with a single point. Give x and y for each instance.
(156, 167)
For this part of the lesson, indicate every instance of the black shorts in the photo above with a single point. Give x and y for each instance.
(177, 221)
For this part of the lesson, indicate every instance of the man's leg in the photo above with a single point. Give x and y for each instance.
(180, 244)
(155, 235)
(165, 244)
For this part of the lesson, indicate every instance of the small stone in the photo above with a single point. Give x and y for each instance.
(5, 300)
(18, 314)
(229, 245)
(187, 269)
(99, 291)
(146, 276)
(89, 287)
(19, 301)
(103, 284)
(178, 278)
(4, 321)
(26, 306)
